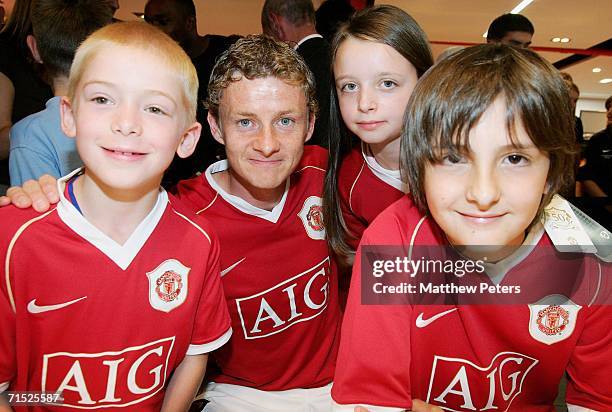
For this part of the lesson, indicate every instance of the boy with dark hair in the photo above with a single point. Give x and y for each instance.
(487, 143)
(38, 145)
(511, 29)
(104, 298)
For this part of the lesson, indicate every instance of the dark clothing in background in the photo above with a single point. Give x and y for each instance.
(598, 156)
(208, 150)
(31, 92)
(598, 168)
(317, 55)
(330, 15)
(579, 130)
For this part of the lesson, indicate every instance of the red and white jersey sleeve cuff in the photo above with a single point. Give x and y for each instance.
(4, 386)
(576, 408)
(210, 346)
(371, 408)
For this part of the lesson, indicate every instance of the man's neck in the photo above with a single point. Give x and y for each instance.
(265, 199)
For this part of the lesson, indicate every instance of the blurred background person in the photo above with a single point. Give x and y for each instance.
(22, 88)
(293, 21)
(597, 172)
(574, 93)
(511, 29)
(595, 176)
(330, 15)
(38, 144)
(177, 18)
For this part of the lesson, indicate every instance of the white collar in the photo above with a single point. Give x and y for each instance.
(310, 36)
(122, 255)
(238, 202)
(498, 270)
(391, 177)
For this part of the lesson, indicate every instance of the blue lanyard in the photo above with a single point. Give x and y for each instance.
(71, 192)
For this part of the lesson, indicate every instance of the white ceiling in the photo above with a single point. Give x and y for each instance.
(586, 22)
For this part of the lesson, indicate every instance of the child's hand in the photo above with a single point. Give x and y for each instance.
(420, 406)
(38, 194)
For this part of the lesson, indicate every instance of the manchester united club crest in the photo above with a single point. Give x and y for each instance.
(312, 217)
(168, 285)
(551, 320)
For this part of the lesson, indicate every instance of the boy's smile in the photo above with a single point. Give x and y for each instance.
(491, 194)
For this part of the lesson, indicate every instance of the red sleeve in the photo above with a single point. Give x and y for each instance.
(354, 224)
(212, 326)
(12, 219)
(590, 367)
(8, 361)
(347, 177)
(373, 365)
(193, 193)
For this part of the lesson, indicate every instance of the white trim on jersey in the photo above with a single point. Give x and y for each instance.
(208, 205)
(598, 289)
(4, 386)
(498, 270)
(350, 200)
(336, 407)
(194, 225)
(310, 167)
(238, 202)
(210, 346)
(577, 408)
(391, 177)
(237, 398)
(124, 254)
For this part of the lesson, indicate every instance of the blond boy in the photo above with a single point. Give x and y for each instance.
(104, 298)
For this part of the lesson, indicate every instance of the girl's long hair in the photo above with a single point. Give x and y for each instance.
(384, 24)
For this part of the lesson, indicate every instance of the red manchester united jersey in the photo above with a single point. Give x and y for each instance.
(279, 280)
(474, 357)
(365, 189)
(106, 324)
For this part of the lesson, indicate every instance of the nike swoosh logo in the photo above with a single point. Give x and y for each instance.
(227, 270)
(421, 323)
(34, 308)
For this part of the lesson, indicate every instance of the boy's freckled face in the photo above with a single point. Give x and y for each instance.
(128, 116)
(490, 195)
